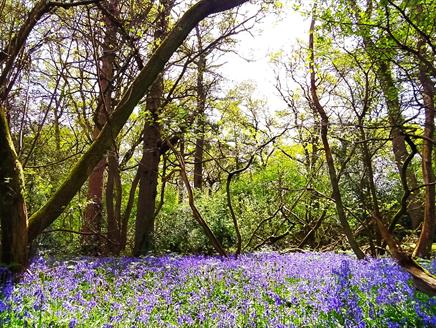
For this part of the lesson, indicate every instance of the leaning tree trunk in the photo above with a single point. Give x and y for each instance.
(13, 215)
(336, 194)
(136, 91)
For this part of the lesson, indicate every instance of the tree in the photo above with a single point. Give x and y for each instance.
(15, 217)
(148, 169)
(14, 214)
(327, 151)
(425, 241)
(93, 214)
(201, 107)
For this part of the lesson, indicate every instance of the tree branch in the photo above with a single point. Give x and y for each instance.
(136, 91)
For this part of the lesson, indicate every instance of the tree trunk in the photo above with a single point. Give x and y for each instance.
(149, 174)
(149, 165)
(113, 197)
(139, 87)
(180, 183)
(201, 107)
(230, 205)
(127, 211)
(93, 215)
(423, 247)
(13, 214)
(336, 194)
(57, 129)
(390, 93)
(367, 161)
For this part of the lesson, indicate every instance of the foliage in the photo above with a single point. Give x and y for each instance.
(177, 231)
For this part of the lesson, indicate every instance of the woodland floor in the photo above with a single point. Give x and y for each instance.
(254, 290)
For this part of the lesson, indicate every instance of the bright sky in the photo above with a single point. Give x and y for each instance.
(272, 36)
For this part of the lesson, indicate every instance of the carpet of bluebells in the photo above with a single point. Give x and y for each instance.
(255, 290)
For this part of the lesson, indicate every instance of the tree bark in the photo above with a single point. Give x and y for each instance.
(201, 107)
(13, 216)
(148, 173)
(390, 93)
(140, 85)
(93, 215)
(423, 246)
(180, 183)
(113, 198)
(149, 165)
(336, 194)
(126, 214)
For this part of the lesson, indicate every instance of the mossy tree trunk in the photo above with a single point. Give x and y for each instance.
(13, 212)
(136, 91)
(13, 215)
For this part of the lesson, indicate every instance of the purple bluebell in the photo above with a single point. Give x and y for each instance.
(261, 290)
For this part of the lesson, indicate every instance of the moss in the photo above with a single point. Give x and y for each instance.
(13, 214)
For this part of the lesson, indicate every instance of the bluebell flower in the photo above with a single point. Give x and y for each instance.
(265, 289)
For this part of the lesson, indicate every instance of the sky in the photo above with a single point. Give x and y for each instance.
(272, 36)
